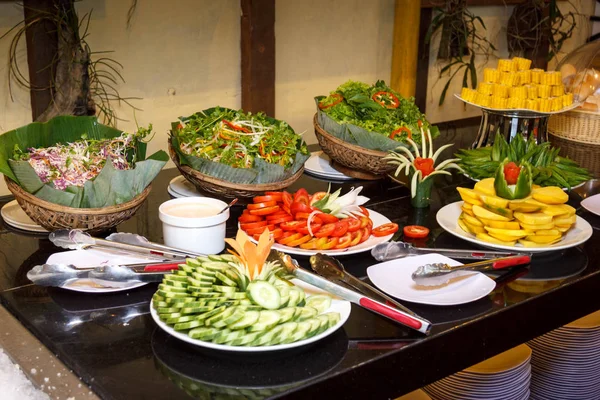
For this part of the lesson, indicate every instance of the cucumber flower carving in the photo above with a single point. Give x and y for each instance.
(421, 164)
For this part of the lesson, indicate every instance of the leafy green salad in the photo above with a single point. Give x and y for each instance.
(237, 138)
(376, 108)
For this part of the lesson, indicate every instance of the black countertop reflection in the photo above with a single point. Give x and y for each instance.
(111, 342)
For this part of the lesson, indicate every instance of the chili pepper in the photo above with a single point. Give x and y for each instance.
(400, 130)
(235, 127)
(386, 99)
(336, 99)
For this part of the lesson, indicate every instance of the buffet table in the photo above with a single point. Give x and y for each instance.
(111, 342)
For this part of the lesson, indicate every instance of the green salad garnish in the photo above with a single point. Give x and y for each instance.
(376, 108)
(238, 138)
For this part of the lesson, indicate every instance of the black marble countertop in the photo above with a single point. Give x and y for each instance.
(112, 343)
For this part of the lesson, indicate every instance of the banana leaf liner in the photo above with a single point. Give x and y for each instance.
(109, 188)
(261, 172)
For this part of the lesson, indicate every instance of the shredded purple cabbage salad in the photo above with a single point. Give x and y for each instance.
(73, 164)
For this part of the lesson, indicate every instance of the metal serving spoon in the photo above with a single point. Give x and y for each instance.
(393, 250)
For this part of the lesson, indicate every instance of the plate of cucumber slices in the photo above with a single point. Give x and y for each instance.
(207, 304)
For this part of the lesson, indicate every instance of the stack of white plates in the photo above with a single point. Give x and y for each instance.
(13, 215)
(505, 376)
(319, 165)
(181, 187)
(566, 361)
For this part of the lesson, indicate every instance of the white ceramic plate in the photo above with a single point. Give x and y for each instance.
(592, 204)
(512, 110)
(448, 215)
(183, 187)
(394, 278)
(13, 215)
(340, 306)
(319, 165)
(367, 245)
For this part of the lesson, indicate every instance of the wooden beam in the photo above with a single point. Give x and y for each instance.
(405, 48)
(423, 61)
(42, 43)
(258, 56)
(442, 3)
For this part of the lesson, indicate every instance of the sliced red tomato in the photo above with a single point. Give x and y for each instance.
(386, 229)
(287, 199)
(313, 227)
(253, 225)
(364, 211)
(310, 245)
(257, 206)
(316, 197)
(276, 215)
(247, 217)
(298, 242)
(287, 239)
(263, 199)
(297, 207)
(301, 196)
(511, 173)
(292, 225)
(344, 241)
(265, 211)
(353, 224)
(328, 218)
(356, 236)
(327, 243)
(364, 221)
(325, 230)
(415, 231)
(365, 233)
(281, 219)
(341, 227)
(256, 231)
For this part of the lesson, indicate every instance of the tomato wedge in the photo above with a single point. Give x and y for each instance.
(281, 219)
(301, 196)
(276, 234)
(365, 234)
(298, 207)
(287, 239)
(247, 217)
(386, 229)
(415, 231)
(356, 237)
(287, 199)
(265, 211)
(316, 197)
(257, 206)
(298, 242)
(313, 227)
(310, 245)
(364, 211)
(353, 224)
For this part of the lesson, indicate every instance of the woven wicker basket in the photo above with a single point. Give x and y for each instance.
(54, 216)
(221, 188)
(577, 133)
(351, 155)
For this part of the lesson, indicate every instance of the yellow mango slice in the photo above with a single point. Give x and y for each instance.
(469, 196)
(494, 201)
(530, 227)
(556, 210)
(501, 237)
(529, 243)
(565, 220)
(487, 238)
(526, 205)
(481, 212)
(500, 224)
(505, 212)
(548, 232)
(468, 211)
(474, 228)
(485, 186)
(471, 220)
(464, 226)
(562, 229)
(537, 218)
(468, 206)
(570, 210)
(550, 195)
(543, 238)
(513, 233)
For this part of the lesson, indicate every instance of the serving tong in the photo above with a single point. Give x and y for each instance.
(393, 250)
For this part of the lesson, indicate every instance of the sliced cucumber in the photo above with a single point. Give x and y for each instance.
(175, 300)
(224, 289)
(167, 310)
(245, 339)
(173, 277)
(175, 283)
(215, 265)
(264, 294)
(228, 335)
(167, 294)
(287, 330)
(319, 301)
(266, 337)
(306, 312)
(204, 333)
(203, 278)
(197, 310)
(287, 314)
(266, 320)
(250, 318)
(219, 316)
(231, 319)
(225, 279)
(177, 320)
(300, 333)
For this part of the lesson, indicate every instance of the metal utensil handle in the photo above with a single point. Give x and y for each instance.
(139, 249)
(162, 247)
(467, 254)
(499, 263)
(360, 285)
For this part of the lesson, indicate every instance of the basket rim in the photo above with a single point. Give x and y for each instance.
(19, 193)
(254, 187)
(343, 143)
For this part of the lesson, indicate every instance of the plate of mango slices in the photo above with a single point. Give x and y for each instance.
(540, 222)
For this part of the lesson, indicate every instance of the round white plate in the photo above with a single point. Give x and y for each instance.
(340, 306)
(13, 215)
(319, 165)
(378, 219)
(592, 204)
(183, 187)
(565, 189)
(89, 286)
(448, 215)
(394, 278)
(517, 110)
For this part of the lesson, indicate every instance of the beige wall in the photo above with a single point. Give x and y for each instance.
(184, 55)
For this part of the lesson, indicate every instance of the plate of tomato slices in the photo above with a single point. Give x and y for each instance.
(286, 217)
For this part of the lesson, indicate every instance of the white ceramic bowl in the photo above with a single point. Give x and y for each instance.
(193, 223)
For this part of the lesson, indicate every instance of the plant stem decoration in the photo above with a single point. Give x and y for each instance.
(80, 86)
(460, 42)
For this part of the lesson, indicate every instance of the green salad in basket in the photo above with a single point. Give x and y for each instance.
(371, 116)
(78, 162)
(237, 146)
